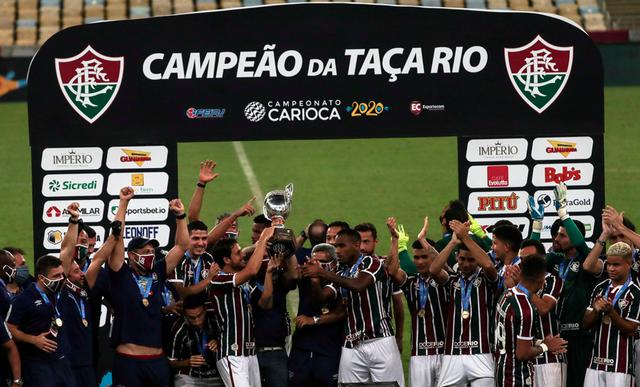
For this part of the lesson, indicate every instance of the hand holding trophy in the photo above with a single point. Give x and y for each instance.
(276, 208)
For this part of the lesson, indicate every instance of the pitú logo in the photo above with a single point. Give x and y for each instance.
(90, 81)
(539, 71)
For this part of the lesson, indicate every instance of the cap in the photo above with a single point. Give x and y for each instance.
(139, 242)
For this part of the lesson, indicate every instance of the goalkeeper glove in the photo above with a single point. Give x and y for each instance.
(536, 211)
(475, 228)
(403, 239)
(560, 192)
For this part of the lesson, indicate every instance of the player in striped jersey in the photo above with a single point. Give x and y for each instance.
(230, 296)
(550, 370)
(515, 321)
(369, 352)
(427, 303)
(505, 244)
(467, 356)
(615, 315)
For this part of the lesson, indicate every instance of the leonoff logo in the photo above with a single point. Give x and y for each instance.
(255, 111)
(90, 81)
(539, 71)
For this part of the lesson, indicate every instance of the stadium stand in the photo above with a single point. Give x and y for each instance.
(31, 22)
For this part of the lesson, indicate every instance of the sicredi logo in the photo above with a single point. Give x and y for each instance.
(64, 159)
(53, 236)
(562, 148)
(89, 184)
(147, 183)
(55, 211)
(498, 202)
(578, 200)
(494, 176)
(142, 210)
(503, 149)
(137, 157)
(521, 223)
(571, 174)
(588, 221)
(159, 232)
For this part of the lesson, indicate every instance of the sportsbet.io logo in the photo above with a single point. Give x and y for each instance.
(255, 111)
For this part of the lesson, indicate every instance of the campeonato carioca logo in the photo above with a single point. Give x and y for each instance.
(539, 71)
(90, 81)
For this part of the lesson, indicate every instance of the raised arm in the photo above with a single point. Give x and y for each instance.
(266, 298)
(221, 228)
(615, 220)
(357, 284)
(99, 258)
(68, 246)
(393, 261)
(440, 261)
(116, 260)
(575, 236)
(205, 176)
(182, 236)
(536, 212)
(592, 264)
(255, 261)
(462, 232)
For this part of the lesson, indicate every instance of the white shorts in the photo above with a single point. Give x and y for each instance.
(376, 360)
(594, 378)
(550, 375)
(424, 370)
(239, 371)
(478, 370)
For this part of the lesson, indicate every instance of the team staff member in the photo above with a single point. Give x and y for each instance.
(136, 291)
(36, 323)
(14, 378)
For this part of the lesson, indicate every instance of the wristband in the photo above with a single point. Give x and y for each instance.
(537, 226)
(182, 216)
(601, 243)
(544, 347)
(201, 185)
(72, 221)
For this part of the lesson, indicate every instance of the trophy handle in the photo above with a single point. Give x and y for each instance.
(288, 190)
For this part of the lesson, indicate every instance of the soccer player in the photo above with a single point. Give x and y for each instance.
(194, 267)
(369, 352)
(136, 293)
(614, 315)
(515, 321)
(428, 302)
(506, 244)
(230, 294)
(333, 229)
(193, 346)
(260, 222)
(467, 355)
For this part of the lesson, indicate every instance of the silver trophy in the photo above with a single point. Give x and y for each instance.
(277, 204)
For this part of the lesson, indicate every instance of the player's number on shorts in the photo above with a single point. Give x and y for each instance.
(501, 338)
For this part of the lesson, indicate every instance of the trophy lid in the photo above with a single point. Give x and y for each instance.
(277, 203)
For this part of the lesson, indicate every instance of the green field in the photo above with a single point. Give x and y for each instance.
(354, 180)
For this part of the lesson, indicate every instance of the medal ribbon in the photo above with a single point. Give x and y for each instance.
(524, 290)
(619, 293)
(202, 344)
(465, 290)
(516, 261)
(144, 292)
(423, 292)
(80, 306)
(350, 274)
(48, 302)
(564, 268)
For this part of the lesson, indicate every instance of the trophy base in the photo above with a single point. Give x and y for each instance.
(283, 242)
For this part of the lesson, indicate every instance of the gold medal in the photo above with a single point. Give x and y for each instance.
(145, 302)
(85, 322)
(325, 310)
(421, 313)
(59, 322)
(465, 314)
(606, 320)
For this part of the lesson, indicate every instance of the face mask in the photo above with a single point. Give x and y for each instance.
(81, 253)
(53, 284)
(231, 235)
(75, 288)
(145, 262)
(22, 275)
(9, 272)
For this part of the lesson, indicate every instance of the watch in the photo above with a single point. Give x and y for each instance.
(303, 234)
(316, 320)
(74, 221)
(601, 243)
(19, 382)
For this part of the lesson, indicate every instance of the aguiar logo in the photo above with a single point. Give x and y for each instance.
(539, 71)
(90, 81)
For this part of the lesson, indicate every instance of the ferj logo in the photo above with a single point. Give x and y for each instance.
(539, 71)
(90, 81)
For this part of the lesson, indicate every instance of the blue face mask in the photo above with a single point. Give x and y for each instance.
(22, 275)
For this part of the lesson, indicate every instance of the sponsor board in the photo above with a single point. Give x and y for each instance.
(137, 157)
(588, 221)
(416, 108)
(549, 175)
(562, 148)
(66, 159)
(294, 110)
(522, 223)
(500, 149)
(55, 211)
(141, 210)
(497, 176)
(87, 184)
(578, 200)
(197, 113)
(497, 202)
(159, 232)
(147, 183)
(53, 236)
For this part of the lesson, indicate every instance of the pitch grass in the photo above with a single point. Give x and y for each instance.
(352, 180)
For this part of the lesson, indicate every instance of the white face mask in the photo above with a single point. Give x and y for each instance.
(9, 272)
(53, 285)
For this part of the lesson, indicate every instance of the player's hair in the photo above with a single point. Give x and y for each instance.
(339, 223)
(330, 250)
(194, 301)
(353, 235)
(14, 250)
(620, 249)
(197, 225)
(533, 267)
(319, 238)
(5, 257)
(556, 226)
(628, 224)
(91, 233)
(221, 250)
(509, 235)
(535, 243)
(503, 222)
(416, 244)
(261, 219)
(455, 211)
(222, 217)
(366, 226)
(46, 263)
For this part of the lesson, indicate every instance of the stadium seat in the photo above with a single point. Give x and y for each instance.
(431, 3)
(393, 2)
(206, 5)
(476, 4)
(250, 3)
(408, 2)
(454, 3)
(230, 4)
(182, 6)
(497, 4)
